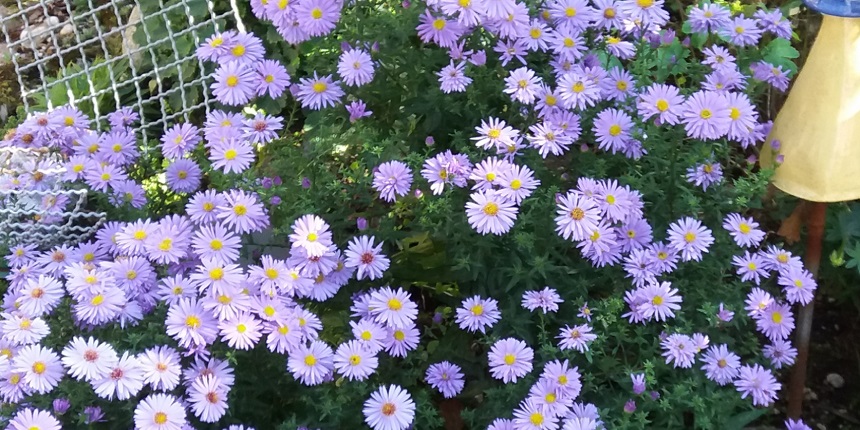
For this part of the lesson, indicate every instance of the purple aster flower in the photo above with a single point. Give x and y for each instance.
(661, 100)
(750, 267)
(647, 12)
(517, 183)
(272, 78)
(578, 92)
(262, 128)
(779, 259)
(720, 364)
(319, 92)
(772, 74)
(634, 235)
(118, 147)
(679, 350)
(453, 79)
(487, 174)
(548, 138)
(183, 176)
(242, 211)
(620, 48)
(522, 85)
(741, 32)
(104, 176)
(478, 314)
(317, 17)
(510, 359)
(584, 312)
(798, 284)
(612, 129)
(128, 192)
(93, 414)
(445, 377)
(576, 337)
(618, 84)
(578, 216)
(61, 405)
(757, 382)
(357, 109)
(355, 67)
(124, 117)
(392, 179)
(774, 22)
(511, 49)
(179, 140)
(719, 58)
(638, 383)
(709, 17)
(704, 175)
(706, 115)
(234, 83)
(547, 300)
(757, 301)
(780, 353)
(490, 212)
(796, 425)
(369, 260)
(245, 48)
(438, 30)
(232, 155)
(724, 314)
(659, 301)
(689, 237)
(776, 321)
(744, 231)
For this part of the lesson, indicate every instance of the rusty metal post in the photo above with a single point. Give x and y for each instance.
(812, 261)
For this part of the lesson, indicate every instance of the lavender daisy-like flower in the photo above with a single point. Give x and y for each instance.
(357, 109)
(796, 425)
(774, 22)
(490, 212)
(679, 350)
(183, 176)
(578, 216)
(780, 353)
(530, 415)
(393, 308)
(750, 267)
(369, 260)
(261, 128)
(272, 78)
(706, 115)
(354, 361)
(663, 101)
(389, 408)
(710, 17)
(776, 321)
(577, 91)
(522, 84)
(704, 175)
(445, 377)
(232, 155)
(438, 30)
(798, 284)
(317, 17)
(318, 92)
(311, 364)
(494, 133)
(576, 337)
(453, 79)
(547, 300)
(30, 418)
(660, 301)
(720, 364)
(757, 382)
(689, 237)
(234, 83)
(510, 359)
(478, 314)
(742, 31)
(179, 140)
(638, 380)
(355, 67)
(612, 129)
(242, 212)
(744, 231)
(392, 179)
(517, 183)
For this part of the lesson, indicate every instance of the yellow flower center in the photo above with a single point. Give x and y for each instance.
(535, 33)
(614, 130)
(216, 274)
(657, 301)
(735, 113)
(216, 245)
(312, 237)
(399, 335)
(117, 148)
(230, 154)
(269, 310)
(536, 418)
(689, 237)
(744, 228)
(609, 13)
(388, 409)
(662, 105)
(224, 299)
(354, 360)
(739, 30)
(798, 283)
(491, 209)
(269, 79)
(569, 42)
(510, 359)
(562, 380)
(105, 176)
(621, 85)
(232, 81)
(705, 114)
(316, 13)
(752, 266)
(39, 367)
(578, 87)
(208, 206)
(272, 273)
(570, 12)
(439, 24)
(160, 418)
(97, 300)
(241, 328)
(182, 174)
(192, 321)
(645, 4)
(165, 244)
(494, 133)
(283, 330)
(319, 87)
(240, 210)
(577, 214)
(550, 398)
(394, 304)
(238, 50)
(516, 184)
(310, 360)
(722, 363)
(464, 3)
(477, 310)
(139, 235)
(491, 176)
(131, 275)
(776, 317)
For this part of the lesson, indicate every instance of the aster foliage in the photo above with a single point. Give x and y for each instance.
(549, 212)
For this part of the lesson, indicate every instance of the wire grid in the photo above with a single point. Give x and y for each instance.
(23, 218)
(147, 97)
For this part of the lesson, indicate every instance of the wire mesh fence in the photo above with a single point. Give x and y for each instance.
(99, 55)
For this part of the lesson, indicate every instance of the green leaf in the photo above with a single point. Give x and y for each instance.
(741, 420)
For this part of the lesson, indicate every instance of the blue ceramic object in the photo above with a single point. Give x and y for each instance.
(843, 8)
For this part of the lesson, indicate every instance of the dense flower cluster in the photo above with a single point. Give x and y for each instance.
(194, 266)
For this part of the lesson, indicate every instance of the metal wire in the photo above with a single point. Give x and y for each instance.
(156, 71)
